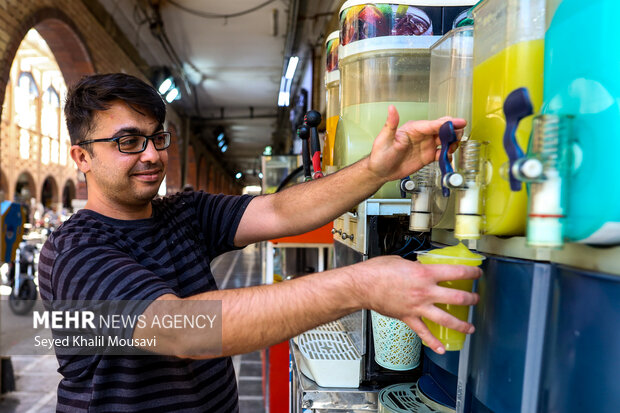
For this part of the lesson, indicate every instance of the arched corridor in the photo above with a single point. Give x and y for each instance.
(33, 136)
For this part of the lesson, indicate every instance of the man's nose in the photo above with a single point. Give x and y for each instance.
(150, 154)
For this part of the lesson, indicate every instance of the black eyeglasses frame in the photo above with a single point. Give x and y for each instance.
(117, 139)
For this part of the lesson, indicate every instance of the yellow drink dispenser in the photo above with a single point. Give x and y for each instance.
(332, 90)
(508, 54)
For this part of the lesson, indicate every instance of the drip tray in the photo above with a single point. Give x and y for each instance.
(403, 398)
(329, 358)
(347, 324)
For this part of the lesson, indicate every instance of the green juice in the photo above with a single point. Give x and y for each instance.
(360, 125)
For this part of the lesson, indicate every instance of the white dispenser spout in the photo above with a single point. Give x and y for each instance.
(422, 182)
(468, 220)
(551, 148)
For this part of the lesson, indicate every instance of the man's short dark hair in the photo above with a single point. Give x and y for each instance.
(95, 92)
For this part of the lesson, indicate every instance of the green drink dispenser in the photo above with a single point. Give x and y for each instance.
(508, 54)
(573, 188)
(332, 95)
(384, 59)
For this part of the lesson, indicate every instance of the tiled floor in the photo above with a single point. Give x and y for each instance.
(36, 378)
(235, 270)
(35, 382)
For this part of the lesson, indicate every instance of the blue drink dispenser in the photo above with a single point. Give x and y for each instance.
(574, 192)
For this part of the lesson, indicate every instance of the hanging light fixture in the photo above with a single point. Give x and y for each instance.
(287, 81)
(166, 84)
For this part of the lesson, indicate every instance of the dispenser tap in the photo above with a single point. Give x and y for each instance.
(550, 147)
(313, 119)
(421, 184)
(471, 165)
(516, 107)
(304, 133)
(406, 186)
(449, 178)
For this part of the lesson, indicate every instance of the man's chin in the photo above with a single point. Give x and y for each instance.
(145, 195)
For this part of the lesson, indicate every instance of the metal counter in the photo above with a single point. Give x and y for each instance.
(308, 397)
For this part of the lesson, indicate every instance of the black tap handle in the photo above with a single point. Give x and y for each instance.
(313, 119)
(304, 132)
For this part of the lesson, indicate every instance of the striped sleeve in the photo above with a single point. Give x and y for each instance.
(219, 217)
(96, 272)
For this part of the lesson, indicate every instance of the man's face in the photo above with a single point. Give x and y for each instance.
(130, 180)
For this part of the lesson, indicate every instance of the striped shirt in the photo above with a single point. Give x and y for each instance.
(93, 257)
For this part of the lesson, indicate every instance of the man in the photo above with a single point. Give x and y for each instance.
(127, 246)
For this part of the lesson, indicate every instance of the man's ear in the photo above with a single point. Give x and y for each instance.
(81, 157)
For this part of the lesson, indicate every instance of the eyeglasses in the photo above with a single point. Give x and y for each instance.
(136, 143)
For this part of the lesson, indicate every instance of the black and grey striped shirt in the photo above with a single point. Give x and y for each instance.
(93, 257)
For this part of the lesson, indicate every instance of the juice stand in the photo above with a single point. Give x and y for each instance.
(384, 59)
(545, 337)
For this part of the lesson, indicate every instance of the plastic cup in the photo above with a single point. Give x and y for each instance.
(459, 254)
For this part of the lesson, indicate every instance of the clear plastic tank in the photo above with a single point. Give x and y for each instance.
(450, 95)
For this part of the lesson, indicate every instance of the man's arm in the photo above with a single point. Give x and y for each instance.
(257, 317)
(396, 153)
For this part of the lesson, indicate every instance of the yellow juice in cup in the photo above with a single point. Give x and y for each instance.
(457, 254)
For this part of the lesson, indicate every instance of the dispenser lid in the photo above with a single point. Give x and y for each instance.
(332, 77)
(397, 24)
(333, 35)
(331, 51)
(462, 32)
(436, 3)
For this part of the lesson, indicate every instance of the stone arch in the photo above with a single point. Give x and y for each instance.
(68, 194)
(63, 39)
(70, 52)
(190, 178)
(49, 192)
(202, 174)
(25, 187)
